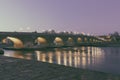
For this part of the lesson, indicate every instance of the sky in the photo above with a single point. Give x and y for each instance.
(89, 16)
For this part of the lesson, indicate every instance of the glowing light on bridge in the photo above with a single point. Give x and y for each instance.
(17, 42)
(4, 41)
(85, 39)
(58, 41)
(79, 40)
(70, 40)
(41, 40)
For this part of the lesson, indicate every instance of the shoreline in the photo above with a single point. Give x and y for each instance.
(21, 69)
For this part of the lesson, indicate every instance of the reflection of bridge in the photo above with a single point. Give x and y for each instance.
(75, 57)
(30, 39)
(83, 56)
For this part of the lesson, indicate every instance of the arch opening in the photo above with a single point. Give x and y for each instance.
(58, 41)
(4, 40)
(41, 41)
(79, 40)
(91, 40)
(17, 43)
(70, 41)
(85, 39)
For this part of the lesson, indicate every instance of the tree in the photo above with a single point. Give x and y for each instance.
(115, 37)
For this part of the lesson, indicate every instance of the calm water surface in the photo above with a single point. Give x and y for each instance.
(104, 59)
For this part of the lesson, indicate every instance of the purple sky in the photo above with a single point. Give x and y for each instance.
(89, 16)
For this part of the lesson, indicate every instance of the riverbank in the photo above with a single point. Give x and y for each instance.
(20, 69)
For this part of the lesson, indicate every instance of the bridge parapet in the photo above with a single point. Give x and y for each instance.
(43, 39)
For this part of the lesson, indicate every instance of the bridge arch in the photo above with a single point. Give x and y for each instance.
(91, 40)
(4, 40)
(58, 41)
(79, 40)
(41, 40)
(70, 39)
(85, 39)
(17, 43)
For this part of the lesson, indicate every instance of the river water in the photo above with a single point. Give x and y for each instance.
(103, 59)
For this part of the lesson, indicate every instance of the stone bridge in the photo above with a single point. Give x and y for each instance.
(30, 39)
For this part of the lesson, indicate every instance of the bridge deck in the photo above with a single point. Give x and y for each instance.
(18, 69)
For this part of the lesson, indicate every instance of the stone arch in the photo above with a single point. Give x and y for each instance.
(85, 39)
(16, 42)
(90, 40)
(4, 40)
(79, 39)
(41, 40)
(58, 41)
(70, 39)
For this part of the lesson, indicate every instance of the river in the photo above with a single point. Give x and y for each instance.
(103, 59)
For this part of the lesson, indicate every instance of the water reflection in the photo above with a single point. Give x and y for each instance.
(50, 55)
(77, 57)
(19, 54)
(94, 58)
(69, 57)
